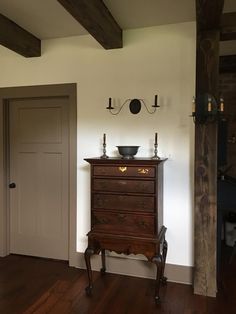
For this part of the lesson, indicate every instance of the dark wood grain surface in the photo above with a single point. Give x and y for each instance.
(228, 64)
(32, 285)
(207, 81)
(228, 26)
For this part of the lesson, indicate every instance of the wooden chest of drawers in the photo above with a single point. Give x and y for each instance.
(127, 212)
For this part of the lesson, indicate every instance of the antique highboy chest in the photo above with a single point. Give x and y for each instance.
(127, 212)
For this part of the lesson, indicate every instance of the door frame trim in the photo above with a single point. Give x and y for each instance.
(62, 90)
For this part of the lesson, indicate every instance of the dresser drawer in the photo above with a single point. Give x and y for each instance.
(124, 202)
(124, 171)
(123, 223)
(121, 185)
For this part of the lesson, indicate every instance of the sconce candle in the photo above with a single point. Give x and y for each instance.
(193, 105)
(155, 102)
(221, 104)
(109, 104)
(209, 105)
(206, 109)
(104, 138)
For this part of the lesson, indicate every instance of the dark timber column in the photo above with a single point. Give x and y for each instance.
(207, 74)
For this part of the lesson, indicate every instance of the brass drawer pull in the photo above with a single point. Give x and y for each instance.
(122, 169)
(143, 171)
(143, 224)
(121, 217)
(100, 220)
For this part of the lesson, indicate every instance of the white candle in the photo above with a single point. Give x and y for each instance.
(221, 104)
(209, 105)
(193, 105)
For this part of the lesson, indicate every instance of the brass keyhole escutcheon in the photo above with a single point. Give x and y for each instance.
(143, 171)
(122, 169)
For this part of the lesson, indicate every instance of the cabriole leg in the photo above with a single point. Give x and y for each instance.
(103, 269)
(87, 255)
(158, 260)
(164, 253)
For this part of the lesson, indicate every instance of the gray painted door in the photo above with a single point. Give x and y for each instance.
(39, 204)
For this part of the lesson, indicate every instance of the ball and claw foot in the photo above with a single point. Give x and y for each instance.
(88, 291)
(103, 271)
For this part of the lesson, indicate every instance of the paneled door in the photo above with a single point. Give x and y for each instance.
(39, 182)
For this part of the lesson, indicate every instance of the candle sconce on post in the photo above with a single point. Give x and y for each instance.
(205, 109)
(135, 106)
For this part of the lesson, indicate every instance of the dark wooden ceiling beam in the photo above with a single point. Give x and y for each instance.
(228, 26)
(15, 38)
(95, 17)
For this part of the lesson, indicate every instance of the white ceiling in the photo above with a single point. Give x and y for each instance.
(48, 19)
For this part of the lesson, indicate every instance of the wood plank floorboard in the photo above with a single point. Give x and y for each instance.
(30, 285)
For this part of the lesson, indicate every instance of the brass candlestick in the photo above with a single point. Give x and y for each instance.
(155, 148)
(104, 156)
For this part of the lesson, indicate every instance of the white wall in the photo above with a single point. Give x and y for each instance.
(154, 60)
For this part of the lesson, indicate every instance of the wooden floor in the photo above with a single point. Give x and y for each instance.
(33, 285)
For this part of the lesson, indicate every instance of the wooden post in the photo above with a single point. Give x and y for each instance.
(207, 77)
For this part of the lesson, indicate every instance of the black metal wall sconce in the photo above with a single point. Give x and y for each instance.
(135, 106)
(205, 109)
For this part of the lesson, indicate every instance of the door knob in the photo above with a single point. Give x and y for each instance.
(12, 185)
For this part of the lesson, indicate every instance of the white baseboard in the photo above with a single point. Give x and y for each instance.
(133, 266)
